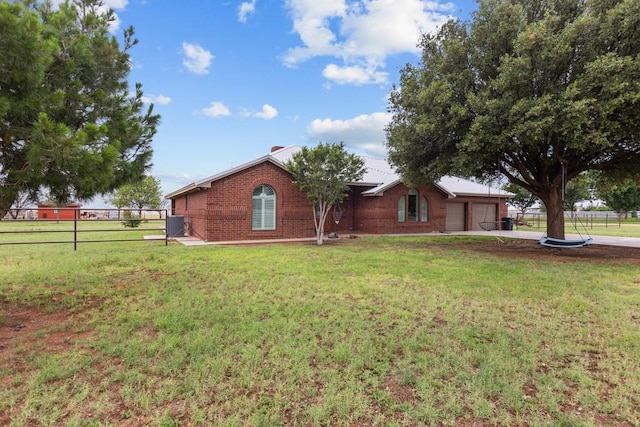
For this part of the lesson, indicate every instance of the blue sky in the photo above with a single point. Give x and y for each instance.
(233, 78)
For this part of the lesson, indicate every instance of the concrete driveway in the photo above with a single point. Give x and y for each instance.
(632, 242)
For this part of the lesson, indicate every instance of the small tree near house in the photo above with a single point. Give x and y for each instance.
(140, 195)
(323, 173)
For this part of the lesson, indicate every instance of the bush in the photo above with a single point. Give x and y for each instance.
(131, 220)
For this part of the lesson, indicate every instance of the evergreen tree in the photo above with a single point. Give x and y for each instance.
(69, 127)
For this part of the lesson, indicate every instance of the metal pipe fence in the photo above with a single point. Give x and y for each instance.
(587, 219)
(38, 226)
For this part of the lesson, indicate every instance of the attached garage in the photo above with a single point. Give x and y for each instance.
(486, 213)
(456, 216)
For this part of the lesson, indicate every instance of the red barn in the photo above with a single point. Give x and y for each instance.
(52, 212)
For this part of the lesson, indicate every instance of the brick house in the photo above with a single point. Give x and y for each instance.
(257, 200)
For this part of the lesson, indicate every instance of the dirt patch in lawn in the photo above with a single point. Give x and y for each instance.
(24, 328)
(530, 249)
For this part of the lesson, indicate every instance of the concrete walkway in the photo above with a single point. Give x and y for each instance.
(632, 242)
(194, 241)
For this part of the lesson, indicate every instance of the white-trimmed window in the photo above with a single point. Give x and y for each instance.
(263, 212)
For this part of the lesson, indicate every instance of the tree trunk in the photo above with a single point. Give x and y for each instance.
(317, 212)
(7, 197)
(555, 212)
(323, 211)
(319, 236)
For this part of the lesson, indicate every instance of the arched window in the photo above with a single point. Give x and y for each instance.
(412, 207)
(263, 212)
(424, 209)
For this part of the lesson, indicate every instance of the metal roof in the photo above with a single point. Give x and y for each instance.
(379, 174)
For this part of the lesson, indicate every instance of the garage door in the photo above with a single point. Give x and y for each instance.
(455, 216)
(486, 213)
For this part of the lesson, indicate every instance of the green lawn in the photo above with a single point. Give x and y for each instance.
(365, 332)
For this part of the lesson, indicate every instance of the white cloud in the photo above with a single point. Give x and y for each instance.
(364, 132)
(268, 112)
(361, 32)
(156, 99)
(245, 9)
(217, 109)
(116, 4)
(173, 176)
(356, 74)
(196, 58)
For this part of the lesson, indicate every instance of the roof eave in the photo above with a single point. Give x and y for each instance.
(448, 193)
(206, 183)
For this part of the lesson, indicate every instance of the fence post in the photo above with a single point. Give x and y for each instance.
(75, 232)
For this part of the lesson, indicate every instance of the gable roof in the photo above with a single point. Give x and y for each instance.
(378, 174)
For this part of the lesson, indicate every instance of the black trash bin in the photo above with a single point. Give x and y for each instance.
(507, 223)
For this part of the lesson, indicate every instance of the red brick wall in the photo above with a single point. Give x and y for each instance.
(379, 214)
(193, 207)
(223, 212)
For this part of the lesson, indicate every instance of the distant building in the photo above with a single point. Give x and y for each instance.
(53, 212)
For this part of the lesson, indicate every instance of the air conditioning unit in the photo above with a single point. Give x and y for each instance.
(175, 226)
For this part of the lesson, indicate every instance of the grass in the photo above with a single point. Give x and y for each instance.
(624, 230)
(376, 331)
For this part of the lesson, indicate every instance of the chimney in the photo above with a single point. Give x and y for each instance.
(276, 148)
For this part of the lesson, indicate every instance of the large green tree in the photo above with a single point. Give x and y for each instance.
(69, 126)
(324, 173)
(539, 90)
